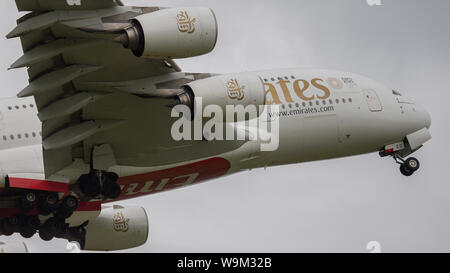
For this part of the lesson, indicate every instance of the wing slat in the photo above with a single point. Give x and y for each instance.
(56, 78)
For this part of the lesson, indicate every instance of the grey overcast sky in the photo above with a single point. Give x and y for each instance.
(329, 206)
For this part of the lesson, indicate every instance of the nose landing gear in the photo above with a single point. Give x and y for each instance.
(409, 166)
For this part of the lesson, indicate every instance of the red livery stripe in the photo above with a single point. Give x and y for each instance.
(37, 184)
(90, 206)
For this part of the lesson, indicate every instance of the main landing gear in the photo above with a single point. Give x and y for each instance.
(409, 166)
(46, 204)
(99, 184)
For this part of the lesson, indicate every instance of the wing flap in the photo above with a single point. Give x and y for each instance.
(56, 79)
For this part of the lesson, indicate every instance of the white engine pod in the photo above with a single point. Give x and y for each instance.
(117, 228)
(13, 247)
(234, 89)
(178, 32)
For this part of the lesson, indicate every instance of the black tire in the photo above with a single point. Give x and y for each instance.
(11, 225)
(63, 213)
(27, 232)
(412, 164)
(90, 185)
(30, 198)
(405, 171)
(43, 210)
(1, 227)
(49, 200)
(46, 234)
(110, 177)
(27, 201)
(111, 190)
(25, 207)
(70, 203)
(50, 229)
(33, 221)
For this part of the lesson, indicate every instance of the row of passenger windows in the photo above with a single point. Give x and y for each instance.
(280, 78)
(318, 102)
(21, 136)
(17, 107)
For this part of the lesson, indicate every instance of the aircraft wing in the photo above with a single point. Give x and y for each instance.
(95, 97)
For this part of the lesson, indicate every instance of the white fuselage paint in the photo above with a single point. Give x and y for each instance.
(357, 115)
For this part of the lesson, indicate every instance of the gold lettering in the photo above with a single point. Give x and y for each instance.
(273, 94)
(301, 90)
(287, 94)
(327, 92)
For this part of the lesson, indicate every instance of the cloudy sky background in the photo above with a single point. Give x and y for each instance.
(330, 206)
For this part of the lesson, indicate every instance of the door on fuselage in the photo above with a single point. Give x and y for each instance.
(373, 101)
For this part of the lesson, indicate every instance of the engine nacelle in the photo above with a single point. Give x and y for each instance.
(117, 228)
(172, 33)
(235, 89)
(13, 248)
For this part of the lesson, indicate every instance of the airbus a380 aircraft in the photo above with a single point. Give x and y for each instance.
(93, 126)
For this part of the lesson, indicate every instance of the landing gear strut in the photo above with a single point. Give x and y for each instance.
(409, 166)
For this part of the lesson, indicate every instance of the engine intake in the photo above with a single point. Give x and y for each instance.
(172, 33)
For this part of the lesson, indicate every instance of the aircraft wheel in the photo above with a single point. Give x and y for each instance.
(50, 229)
(90, 185)
(48, 203)
(111, 190)
(27, 232)
(68, 206)
(70, 203)
(412, 164)
(405, 171)
(10, 225)
(43, 210)
(27, 201)
(29, 226)
(1, 227)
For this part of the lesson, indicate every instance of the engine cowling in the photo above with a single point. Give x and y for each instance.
(234, 89)
(13, 247)
(117, 228)
(172, 33)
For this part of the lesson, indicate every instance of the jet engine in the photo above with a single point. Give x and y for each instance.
(172, 33)
(117, 228)
(225, 90)
(13, 247)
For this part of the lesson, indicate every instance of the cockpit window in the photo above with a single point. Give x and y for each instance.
(396, 93)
